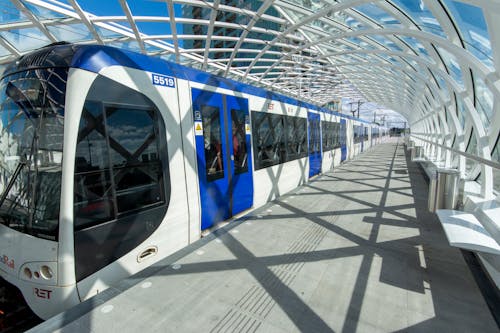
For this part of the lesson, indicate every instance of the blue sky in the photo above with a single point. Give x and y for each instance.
(138, 8)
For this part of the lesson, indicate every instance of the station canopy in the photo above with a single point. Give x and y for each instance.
(432, 61)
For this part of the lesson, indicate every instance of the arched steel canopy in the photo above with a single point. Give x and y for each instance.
(433, 61)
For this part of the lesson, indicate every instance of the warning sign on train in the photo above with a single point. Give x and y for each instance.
(198, 128)
(247, 129)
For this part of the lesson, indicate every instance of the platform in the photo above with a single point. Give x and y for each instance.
(354, 250)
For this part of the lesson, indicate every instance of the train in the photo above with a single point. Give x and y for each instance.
(111, 160)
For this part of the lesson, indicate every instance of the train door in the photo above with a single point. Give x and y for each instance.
(343, 140)
(222, 129)
(314, 144)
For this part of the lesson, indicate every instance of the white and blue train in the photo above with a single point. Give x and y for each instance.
(112, 160)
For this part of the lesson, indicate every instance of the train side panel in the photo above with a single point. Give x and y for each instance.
(273, 181)
(172, 233)
(331, 158)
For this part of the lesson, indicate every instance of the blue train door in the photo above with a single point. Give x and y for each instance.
(343, 140)
(222, 129)
(314, 144)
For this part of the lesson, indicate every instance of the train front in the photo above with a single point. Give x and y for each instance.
(32, 96)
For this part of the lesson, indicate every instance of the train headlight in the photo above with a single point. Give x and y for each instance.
(27, 273)
(39, 272)
(46, 272)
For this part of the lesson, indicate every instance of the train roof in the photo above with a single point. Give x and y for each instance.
(95, 57)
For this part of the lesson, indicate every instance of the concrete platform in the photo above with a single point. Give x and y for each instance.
(354, 250)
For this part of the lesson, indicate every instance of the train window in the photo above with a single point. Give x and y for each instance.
(278, 139)
(93, 199)
(121, 181)
(268, 139)
(118, 169)
(212, 136)
(314, 143)
(358, 133)
(133, 156)
(296, 137)
(342, 134)
(239, 141)
(331, 135)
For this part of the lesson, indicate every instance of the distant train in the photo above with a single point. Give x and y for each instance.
(112, 160)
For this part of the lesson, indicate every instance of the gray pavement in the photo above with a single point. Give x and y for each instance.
(355, 250)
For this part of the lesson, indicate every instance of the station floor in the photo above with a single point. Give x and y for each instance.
(355, 250)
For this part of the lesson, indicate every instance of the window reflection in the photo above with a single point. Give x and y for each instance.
(278, 138)
(239, 141)
(117, 166)
(212, 137)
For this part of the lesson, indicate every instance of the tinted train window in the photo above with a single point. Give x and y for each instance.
(118, 169)
(213, 142)
(343, 133)
(93, 195)
(331, 135)
(278, 139)
(296, 137)
(122, 180)
(358, 133)
(239, 143)
(268, 139)
(314, 137)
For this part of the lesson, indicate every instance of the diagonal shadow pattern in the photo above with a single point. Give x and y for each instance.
(275, 275)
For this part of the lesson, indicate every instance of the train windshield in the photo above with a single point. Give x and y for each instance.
(31, 143)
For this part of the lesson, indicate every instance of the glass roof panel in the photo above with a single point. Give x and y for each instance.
(43, 13)
(107, 34)
(350, 21)
(10, 13)
(452, 65)
(3, 51)
(150, 8)
(360, 43)
(460, 111)
(386, 42)
(495, 156)
(421, 15)
(471, 149)
(473, 29)
(417, 47)
(377, 14)
(324, 26)
(441, 82)
(71, 33)
(25, 39)
(483, 101)
(104, 8)
(130, 45)
(157, 28)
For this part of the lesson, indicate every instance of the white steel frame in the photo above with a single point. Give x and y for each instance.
(313, 56)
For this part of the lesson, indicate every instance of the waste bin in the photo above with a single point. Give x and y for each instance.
(443, 189)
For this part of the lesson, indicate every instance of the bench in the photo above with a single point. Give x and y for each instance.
(464, 230)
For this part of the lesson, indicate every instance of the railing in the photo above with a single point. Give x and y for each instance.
(476, 158)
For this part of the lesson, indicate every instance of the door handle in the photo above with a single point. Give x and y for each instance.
(147, 253)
